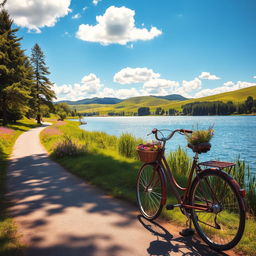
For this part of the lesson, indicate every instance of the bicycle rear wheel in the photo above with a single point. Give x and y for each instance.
(151, 191)
(220, 221)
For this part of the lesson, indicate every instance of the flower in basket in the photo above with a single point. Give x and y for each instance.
(154, 146)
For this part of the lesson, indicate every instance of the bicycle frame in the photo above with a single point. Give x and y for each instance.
(175, 187)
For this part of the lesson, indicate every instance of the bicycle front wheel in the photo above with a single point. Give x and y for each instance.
(219, 214)
(151, 191)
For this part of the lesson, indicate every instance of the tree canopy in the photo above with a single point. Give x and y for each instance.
(15, 73)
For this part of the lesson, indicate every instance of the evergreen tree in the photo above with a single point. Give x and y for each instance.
(42, 90)
(143, 111)
(14, 72)
(249, 104)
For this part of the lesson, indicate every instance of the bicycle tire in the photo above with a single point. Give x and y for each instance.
(150, 191)
(223, 225)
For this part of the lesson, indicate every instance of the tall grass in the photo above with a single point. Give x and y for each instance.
(180, 164)
(127, 145)
(247, 180)
(69, 147)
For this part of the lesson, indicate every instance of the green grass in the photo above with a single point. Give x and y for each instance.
(9, 244)
(131, 105)
(103, 166)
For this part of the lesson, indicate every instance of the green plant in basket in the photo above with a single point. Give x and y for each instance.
(200, 136)
(199, 140)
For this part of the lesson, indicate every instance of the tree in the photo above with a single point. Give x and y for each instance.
(249, 104)
(62, 110)
(172, 112)
(143, 111)
(15, 72)
(42, 90)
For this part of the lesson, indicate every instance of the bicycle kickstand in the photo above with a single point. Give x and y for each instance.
(188, 231)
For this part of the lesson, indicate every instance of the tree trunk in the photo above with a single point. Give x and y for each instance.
(38, 118)
(5, 119)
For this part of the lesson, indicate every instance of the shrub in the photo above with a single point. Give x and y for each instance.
(127, 145)
(68, 147)
(62, 115)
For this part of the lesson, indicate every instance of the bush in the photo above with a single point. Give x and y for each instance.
(68, 147)
(62, 115)
(127, 145)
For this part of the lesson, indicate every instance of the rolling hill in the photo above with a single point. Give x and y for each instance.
(108, 100)
(132, 104)
(92, 101)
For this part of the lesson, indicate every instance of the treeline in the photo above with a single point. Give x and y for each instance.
(219, 108)
(25, 89)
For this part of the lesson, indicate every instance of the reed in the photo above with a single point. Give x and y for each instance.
(127, 145)
(180, 164)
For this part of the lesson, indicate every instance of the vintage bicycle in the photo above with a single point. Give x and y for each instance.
(212, 199)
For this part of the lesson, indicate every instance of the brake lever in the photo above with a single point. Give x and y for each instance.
(149, 134)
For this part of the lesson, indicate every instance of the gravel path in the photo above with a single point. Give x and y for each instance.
(60, 215)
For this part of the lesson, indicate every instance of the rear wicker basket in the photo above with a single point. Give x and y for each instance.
(149, 156)
(201, 147)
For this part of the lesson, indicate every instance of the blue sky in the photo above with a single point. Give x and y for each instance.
(125, 48)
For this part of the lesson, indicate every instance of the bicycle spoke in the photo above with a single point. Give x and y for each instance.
(220, 224)
(149, 192)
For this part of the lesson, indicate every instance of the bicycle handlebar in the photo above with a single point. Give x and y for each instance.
(154, 131)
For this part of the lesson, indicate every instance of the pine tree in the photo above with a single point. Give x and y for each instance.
(14, 72)
(42, 92)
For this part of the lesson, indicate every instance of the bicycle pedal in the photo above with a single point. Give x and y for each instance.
(169, 207)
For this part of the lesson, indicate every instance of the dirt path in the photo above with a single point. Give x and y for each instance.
(59, 215)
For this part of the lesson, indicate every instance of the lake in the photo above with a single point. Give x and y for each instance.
(234, 136)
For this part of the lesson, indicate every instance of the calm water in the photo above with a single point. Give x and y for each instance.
(234, 135)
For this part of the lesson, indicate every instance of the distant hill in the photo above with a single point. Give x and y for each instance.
(175, 97)
(92, 101)
(132, 104)
(106, 100)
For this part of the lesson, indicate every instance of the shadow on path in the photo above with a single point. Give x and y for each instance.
(166, 245)
(37, 184)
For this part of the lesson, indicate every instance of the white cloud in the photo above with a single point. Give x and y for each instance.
(254, 77)
(35, 14)
(189, 86)
(76, 16)
(115, 26)
(160, 83)
(120, 93)
(160, 87)
(208, 76)
(134, 75)
(85, 8)
(227, 87)
(95, 2)
(89, 86)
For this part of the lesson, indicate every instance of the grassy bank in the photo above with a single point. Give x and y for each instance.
(9, 244)
(104, 160)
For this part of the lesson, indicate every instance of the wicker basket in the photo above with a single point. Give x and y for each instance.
(149, 156)
(201, 147)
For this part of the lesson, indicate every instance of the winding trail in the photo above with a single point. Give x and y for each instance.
(60, 215)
